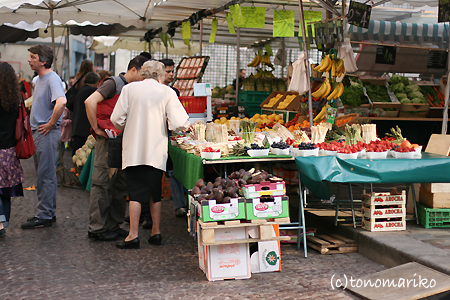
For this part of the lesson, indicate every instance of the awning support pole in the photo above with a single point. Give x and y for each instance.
(201, 36)
(52, 30)
(308, 74)
(445, 117)
(238, 61)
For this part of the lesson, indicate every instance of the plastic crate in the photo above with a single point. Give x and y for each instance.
(251, 109)
(193, 105)
(433, 217)
(253, 96)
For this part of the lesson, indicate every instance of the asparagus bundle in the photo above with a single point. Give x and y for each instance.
(352, 134)
(248, 131)
(199, 131)
(369, 132)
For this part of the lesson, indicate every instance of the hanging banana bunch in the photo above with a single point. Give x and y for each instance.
(255, 62)
(325, 64)
(337, 92)
(321, 114)
(323, 91)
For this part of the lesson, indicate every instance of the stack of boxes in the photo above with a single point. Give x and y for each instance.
(434, 206)
(247, 241)
(384, 211)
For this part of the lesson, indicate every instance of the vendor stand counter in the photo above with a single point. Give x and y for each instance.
(188, 168)
(317, 173)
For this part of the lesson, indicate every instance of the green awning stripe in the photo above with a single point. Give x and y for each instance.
(404, 29)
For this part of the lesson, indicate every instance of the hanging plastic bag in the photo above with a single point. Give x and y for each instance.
(299, 81)
(345, 52)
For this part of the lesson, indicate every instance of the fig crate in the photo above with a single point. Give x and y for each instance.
(211, 211)
(251, 191)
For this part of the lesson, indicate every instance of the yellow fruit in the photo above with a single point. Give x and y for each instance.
(271, 118)
(217, 121)
(256, 116)
(223, 119)
(281, 122)
(245, 119)
(277, 117)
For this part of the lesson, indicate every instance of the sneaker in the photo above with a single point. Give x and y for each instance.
(180, 212)
(37, 223)
(2, 233)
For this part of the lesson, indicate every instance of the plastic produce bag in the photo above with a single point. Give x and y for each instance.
(345, 52)
(299, 81)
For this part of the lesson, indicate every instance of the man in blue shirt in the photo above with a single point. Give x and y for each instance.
(49, 102)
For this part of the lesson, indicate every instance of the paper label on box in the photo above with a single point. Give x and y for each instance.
(266, 209)
(269, 256)
(223, 211)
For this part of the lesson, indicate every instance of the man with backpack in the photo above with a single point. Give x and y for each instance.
(107, 204)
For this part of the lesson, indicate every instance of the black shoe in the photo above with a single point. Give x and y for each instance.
(180, 212)
(133, 244)
(122, 232)
(53, 219)
(2, 233)
(147, 225)
(104, 236)
(155, 239)
(37, 223)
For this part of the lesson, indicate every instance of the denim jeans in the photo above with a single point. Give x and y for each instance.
(177, 189)
(5, 210)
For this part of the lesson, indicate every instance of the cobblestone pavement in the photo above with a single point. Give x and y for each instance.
(60, 262)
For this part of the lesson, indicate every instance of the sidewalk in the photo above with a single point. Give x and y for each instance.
(61, 263)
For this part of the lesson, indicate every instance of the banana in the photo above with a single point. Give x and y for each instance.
(321, 114)
(340, 65)
(330, 64)
(319, 92)
(252, 64)
(328, 90)
(341, 90)
(334, 93)
(326, 64)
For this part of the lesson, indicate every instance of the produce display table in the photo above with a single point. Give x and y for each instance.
(188, 168)
(317, 173)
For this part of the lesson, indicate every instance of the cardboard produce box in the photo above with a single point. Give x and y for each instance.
(267, 257)
(264, 188)
(277, 208)
(211, 211)
(228, 261)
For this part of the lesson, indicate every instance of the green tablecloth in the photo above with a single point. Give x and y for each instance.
(317, 173)
(187, 167)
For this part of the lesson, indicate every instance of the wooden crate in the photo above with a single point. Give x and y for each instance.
(354, 119)
(372, 212)
(331, 244)
(374, 225)
(436, 187)
(264, 228)
(384, 199)
(272, 95)
(434, 200)
(414, 110)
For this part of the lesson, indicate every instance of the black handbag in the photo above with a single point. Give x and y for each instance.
(115, 152)
(71, 94)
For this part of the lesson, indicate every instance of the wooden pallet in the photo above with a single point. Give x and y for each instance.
(207, 232)
(331, 244)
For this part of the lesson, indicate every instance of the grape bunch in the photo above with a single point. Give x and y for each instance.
(254, 147)
(280, 145)
(306, 146)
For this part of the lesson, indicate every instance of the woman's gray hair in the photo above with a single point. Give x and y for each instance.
(152, 69)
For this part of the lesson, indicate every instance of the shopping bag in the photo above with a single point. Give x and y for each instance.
(23, 135)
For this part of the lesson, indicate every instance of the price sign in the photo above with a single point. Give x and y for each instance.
(253, 17)
(386, 55)
(444, 11)
(359, 14)
(437, 59)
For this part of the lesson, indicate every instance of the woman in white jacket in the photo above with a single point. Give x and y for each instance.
(144, 110)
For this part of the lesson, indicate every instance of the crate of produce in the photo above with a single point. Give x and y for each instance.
(289, 177)
(271, 100)
(348, 119)
(433, 217)
(414, 110)
(395, 224)
(250, 109)
(384, 199)
(211, 211)
(389, 211)
(267, 208)
(265, 188)
(289, 103)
